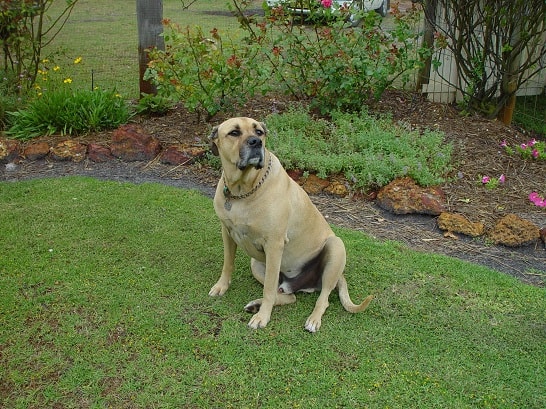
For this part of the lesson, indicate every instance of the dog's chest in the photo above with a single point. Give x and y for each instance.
(246, 238)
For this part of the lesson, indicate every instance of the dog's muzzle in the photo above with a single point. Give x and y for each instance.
(252, 153)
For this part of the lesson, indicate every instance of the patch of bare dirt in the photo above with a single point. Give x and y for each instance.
(477, 153)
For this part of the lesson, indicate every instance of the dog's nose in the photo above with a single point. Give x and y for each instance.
(254, 142)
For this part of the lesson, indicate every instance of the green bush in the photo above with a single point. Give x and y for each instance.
(69, 112)
(370, 152)
(205, 72)
(336, 66)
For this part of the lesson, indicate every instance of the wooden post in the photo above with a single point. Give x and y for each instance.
(430, 8)
(150, 28)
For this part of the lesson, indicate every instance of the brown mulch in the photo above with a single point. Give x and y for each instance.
(476, 153)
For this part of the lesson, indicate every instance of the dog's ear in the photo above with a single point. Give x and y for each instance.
(214, 135)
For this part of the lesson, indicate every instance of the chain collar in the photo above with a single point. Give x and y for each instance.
(229, 196)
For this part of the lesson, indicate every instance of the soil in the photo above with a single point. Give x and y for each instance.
(476, 153)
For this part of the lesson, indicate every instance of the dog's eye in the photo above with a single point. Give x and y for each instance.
(259, 132)
(235, 132)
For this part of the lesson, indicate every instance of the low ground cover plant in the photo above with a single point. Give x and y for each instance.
(370, 151)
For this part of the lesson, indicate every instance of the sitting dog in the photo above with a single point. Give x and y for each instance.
(268, 215)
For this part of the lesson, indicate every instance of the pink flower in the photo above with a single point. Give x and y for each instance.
(532, 142)
(535, 153)
(326, 3)
(486, 179)
(503, 144)
(502, 178)
(523, 146)
(537, 200)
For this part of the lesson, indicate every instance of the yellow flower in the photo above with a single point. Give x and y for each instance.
(56, 68)
(68, 81)
(45, 60)
(78, 60)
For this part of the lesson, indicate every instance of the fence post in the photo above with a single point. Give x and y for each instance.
(150, 27)
(428, 40)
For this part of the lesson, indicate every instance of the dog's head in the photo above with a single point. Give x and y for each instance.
(240, 141)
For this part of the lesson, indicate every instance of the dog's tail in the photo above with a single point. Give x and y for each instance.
(346, 299)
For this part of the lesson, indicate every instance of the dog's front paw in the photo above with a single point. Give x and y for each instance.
(253, 306)
(219, 288)
(312, 324)
(258, 321)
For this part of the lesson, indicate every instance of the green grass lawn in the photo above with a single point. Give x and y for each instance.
(103, 303)
(104, 33)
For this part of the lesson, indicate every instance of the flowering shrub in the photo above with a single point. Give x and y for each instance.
(334, 65)
(57, 108)
(205, 72)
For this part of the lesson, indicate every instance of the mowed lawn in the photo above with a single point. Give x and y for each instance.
(103, 303)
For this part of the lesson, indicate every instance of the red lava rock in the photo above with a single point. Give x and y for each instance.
(314, 185)
(457, 223)
(514, 231)
(36, 151)
(99, 153)
(68, 150)
(404, 196)
(9, 150)
(180, 155)
(132, 143)
(296, 175)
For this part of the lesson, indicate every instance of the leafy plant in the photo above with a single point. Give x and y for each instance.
(370, 151)
(154, 104)
(58, 108)
(69, 112)
(207, 73)
(334, 65)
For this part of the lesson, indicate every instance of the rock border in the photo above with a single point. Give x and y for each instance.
(402, 196)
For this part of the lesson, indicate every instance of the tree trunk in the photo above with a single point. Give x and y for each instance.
(150, 28)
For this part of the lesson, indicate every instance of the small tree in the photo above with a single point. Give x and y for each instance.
(24, 32)
(497, 45)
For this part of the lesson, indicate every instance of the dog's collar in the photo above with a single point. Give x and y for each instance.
(227, 193)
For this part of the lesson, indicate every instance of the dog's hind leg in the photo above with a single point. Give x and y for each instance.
(258, 271)
(334, 264)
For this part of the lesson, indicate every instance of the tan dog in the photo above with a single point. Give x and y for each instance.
(268, 215)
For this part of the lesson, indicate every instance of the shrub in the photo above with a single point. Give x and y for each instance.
(207, 73)
(370, 151)
(335, 66)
